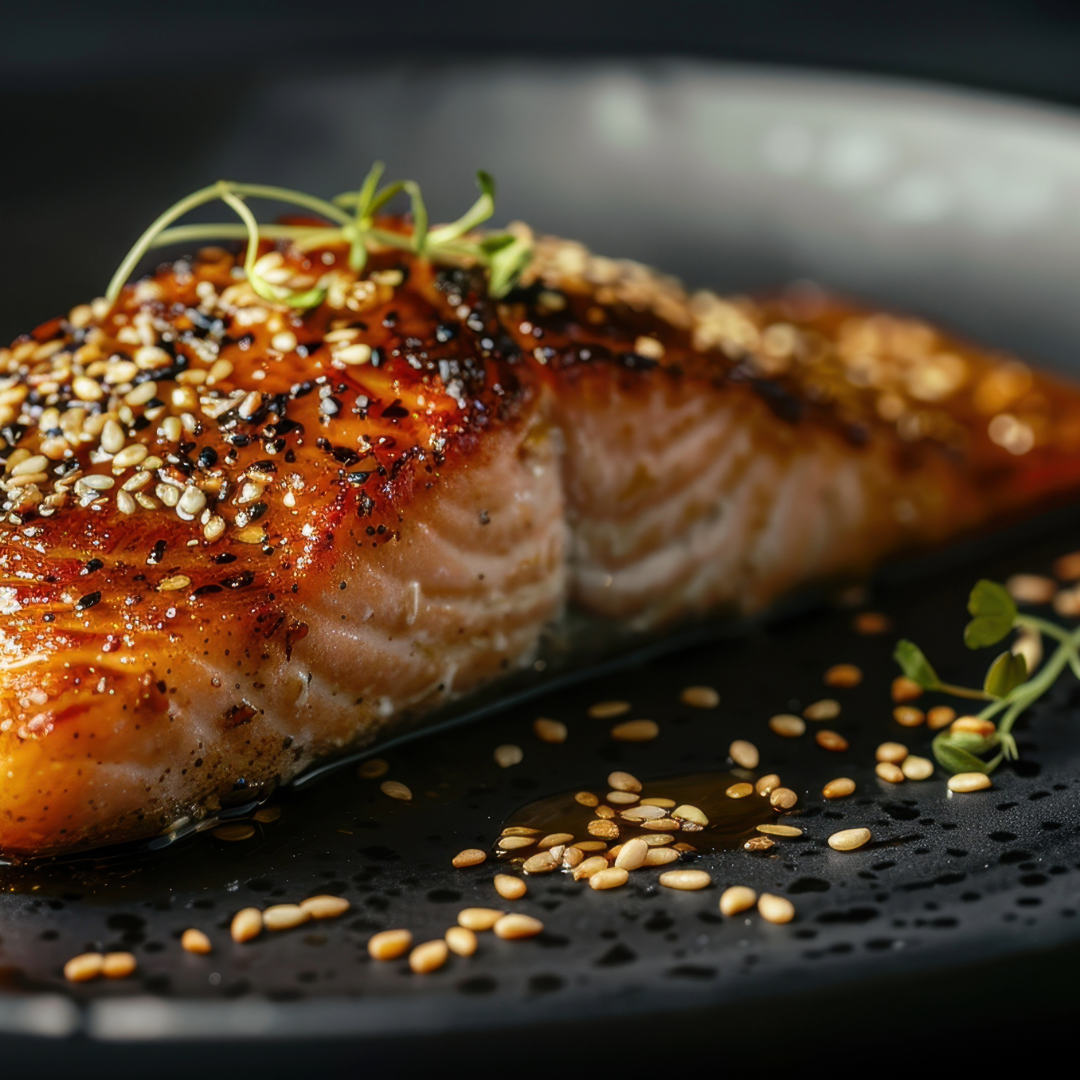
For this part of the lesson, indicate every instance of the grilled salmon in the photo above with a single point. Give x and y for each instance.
(238, 537)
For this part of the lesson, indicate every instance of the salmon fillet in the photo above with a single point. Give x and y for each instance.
(237, 538)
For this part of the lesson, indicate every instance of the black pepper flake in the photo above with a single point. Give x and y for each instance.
(224, 557)
(156, 554)
(87, 601)
(345, 455)
(395, 410)
(256, 511)
(263, 467)
(357, 478)
(90, 567)
(239, 581)
(208, 457)
(206, 590)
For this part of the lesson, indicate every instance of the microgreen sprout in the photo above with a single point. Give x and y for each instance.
(1008, 688)
(351, 218)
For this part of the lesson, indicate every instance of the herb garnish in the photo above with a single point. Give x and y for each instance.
(1007, 686)
(352, 215)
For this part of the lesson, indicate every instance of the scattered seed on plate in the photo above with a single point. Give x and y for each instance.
(586, 798)
(591, 845)
(519, 830)
(663, 804)
(550, 731)
(660, 856)
(636, 731)
(389, 944)
(604, 828)
(642, 813)
(940, 716)
(624, 781)
(543, 862)
(871, 622)
(593, 865)
(510, 888)
(266, 815)
(325, 907)
(461, 940)
(239, 831)
(759, 843)
(428, 957)
(84, 968)
(831, 740)
(917, 768)
(775, 909)
(657, 839)
(686, 880)
(469, 857)
(514, 927)
(633, 854)
(572, 856)
(783, 798)
(1067, 567)
(508, 754)
(373, 768)
(683, 847)
(608, 710)
(739, 791)
(664, 824)
(246, 925)
(395, 790)
(969, 781)
(744, 754)
(839, 788)
(825, 709)
(118, 965)
(779, 830)
(843, 675)
(766, 785)
(479, 918)
(284, 916)
(700, 697)
(1067, 602)
(514, 843)
(611, 878)
(891, 751)
(787, 726)
(908, 716)
(621, 798)
(1031, 588)
(889, 772)
(974, 725)
(849, 839)
(905, 689)
(737, 898)
(555, 838)
(195, 941)
(693, 814)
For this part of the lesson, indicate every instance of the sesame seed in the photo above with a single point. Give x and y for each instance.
(112, 437)
(779, 830)
(285, 916)
(97, 482)
(686, 880)
(700, 697)
(624, 781)
(621, 798)
(843, 675)
(633, 854)
(692, 814)
(84, 968)
(759, 843)
(130, 455)
(974, 725)
(515, 843)
(917, 768)
(195, 941)
(606, 710)
(593, 865)
(739, 791)
(508, 755)
(776, 909)
(214, 528)
(141, 394)
(839, 788)
(643, 812)
(285, 341)
(389, 944)
(543, 862)
(250, 405)
(783, 798)
(351, 355)
(1031, 588)
(428, 957)
(736, 899)
(395, 790)
(659, 856)
(635, 731)
(614, 877)
(586, 798)
(871, 622)
(787, 726)
(554, 839)
(549, 731)
(520, 830)
(608, 830)
(461, 940)
(510, 888)
(969, 781)
(1067, 567)
(35, 464)
(890, 773)
(514, 927)
(233, 833)
(826, 709)
(744, 754)
(86, 389)
(125, 503)
(469, 857)
(893, 752)
(905, 689)
(831, 740)
(150, 357)
(171, 584)
(266, 814)
(766, 785)
(169, 495)
(664, 824)
(849, 839)
(325, 907)
(479, 918)
(908, 716)
(192, 502)
(662, 803)
(246, 925)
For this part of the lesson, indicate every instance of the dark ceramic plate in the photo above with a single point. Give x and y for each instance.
(962, 208)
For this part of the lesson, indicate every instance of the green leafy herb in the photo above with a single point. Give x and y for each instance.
(1008, 686)
(504, 255)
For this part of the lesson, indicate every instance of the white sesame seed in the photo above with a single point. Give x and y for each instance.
(112, 437)
(776, 909)
(130, 455)
(191, 502)
(389, 944)
(325, 907)
(969, 781)
(636, 731)
(613, 877)
(27, 466)
(195, 941)
(246, 925)
(97, 482)
(285, 341)
(125, 503)
(478, 918)
(686, 880)
(469, 857)
(395, 790)
(510, 888)
(142, 393)
(516, 926)
(461, 940)
(214, 528)
(744, 754)
(508, 755)
(550, 731)
(352, 354)
(84, 968)
(849, 839)
(150, 357)
(736, 899)
(700, 697)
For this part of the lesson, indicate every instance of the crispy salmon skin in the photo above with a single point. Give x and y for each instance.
(238, 537)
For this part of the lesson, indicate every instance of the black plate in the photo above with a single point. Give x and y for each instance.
(960, 207)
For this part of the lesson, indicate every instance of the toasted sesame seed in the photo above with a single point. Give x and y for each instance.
(766, 785)
(775, 909)
(737, 898)
(849, 839)
(507, 755)
(607, 812)
(195, 941)
(389, 944)
(624, 781)
(612, 878)
(783, 798)
(86, 389)
(285, 341)
(543, 862)
(908, 716)
(586, 798)
(607, 710)
(572, 856)
(686, 880)
(891, 751)
(266, 814)
(97, 482)
(133, 455)
(284, 916)
(843, 675)
(787, 726)
(593, 865)
(664, 804)
(172, 584)
(636, 731)
(550, 731)
(940, 716)
(373, 768)
(633, 854)
(214, 529)
(621, 798)
(479, 918)
(664, 824)
(826, 709)
(515, 843)
(510, 888)
(739, 791)
(974, 725)
(112, 437)
(519, 830)
(700, 697)
(969, 781)
(871, 622)
(515, 926)
(359, 353)
(744, 754)
(125, 503)
(660, 856)
(890, 773)
(554, 839)
(692, 814)
(246, 925)
(84, 968)
(917, 768)
(192, 502)
(395, 790)
(1067, 567)
(831, 740)
(905, 689)
(469, 857)
(141, 394)
(759, 843)
(1067, 602)
(461, 940)
(1031, 588)
(643, 813)
(428, 957)
(604, 828)
(325, 907)
(839, 788)
(232, 833)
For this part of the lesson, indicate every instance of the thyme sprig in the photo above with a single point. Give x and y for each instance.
(351, 219)
(1009, 688)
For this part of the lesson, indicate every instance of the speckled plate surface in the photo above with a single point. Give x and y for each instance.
(964, 208)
